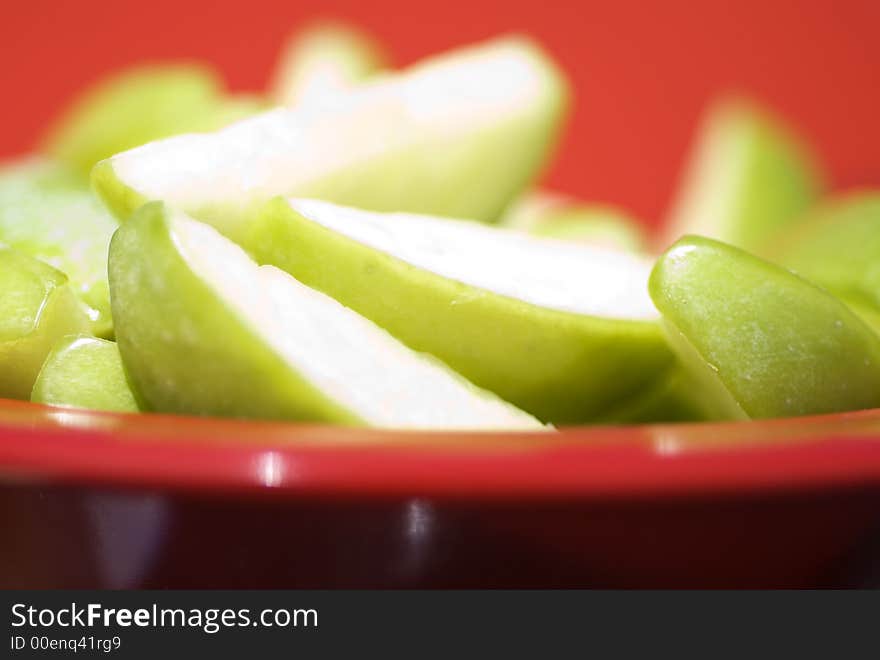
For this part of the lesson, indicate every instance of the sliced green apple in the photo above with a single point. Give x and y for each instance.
(748, 177)
(49, 213)
(674, 397)
(559, 216)
(760, 340)
(84, 372)
(838, 246)
(868, 312)
(560, 329)
(325, 58)
(37, 307)
(141, 104)
(202, 329)
(458, 135)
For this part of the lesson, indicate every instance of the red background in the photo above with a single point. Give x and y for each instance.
(642, 70)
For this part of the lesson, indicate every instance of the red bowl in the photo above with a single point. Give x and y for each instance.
(102, 500)
(156, 501)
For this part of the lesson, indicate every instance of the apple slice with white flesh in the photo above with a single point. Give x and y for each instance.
(560, 329)
(84, 372)
(325, 58)
(37, 307)
(141, 104)
(204, 330)
(457, 135)
(47, 212)
(554, 215)
(748, 178)
(762, 341)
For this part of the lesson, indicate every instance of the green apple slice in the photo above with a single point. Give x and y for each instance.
(84, 372)
(202, 329)
(458, 135)
(838, 247)
(37, 307)
(49, 213)
(748, 177)
(868, 312)
(559, 216)
(325, 58)
(763, 341)
(674, 397)
(562, 330)
(141, 104)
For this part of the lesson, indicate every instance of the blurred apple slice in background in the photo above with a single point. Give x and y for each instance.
(748, 178)
(555, 215)
(84, 372)
(141, 104)
(838, 246)
(760, 340)
(47, 212)
(560, 329)
(460, 134)
(203, 330)
(325, 58)
(37, 307)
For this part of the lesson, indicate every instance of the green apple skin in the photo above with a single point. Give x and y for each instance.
(674, 397)
(868, 312)
(838, 246)
(84, 372)
(37, 307)
(561, 367)
(138, 105)
(121, 199)
(552, 215)
(185, 350)
(748, 178)
(382, 146)
(48, 212)
(759, 340)
(324, 58)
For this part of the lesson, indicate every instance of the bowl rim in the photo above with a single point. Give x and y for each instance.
(42, 444)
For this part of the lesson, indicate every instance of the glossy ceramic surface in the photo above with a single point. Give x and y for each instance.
(156, 501)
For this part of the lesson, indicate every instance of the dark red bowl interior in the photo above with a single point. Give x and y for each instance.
(103, 500)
